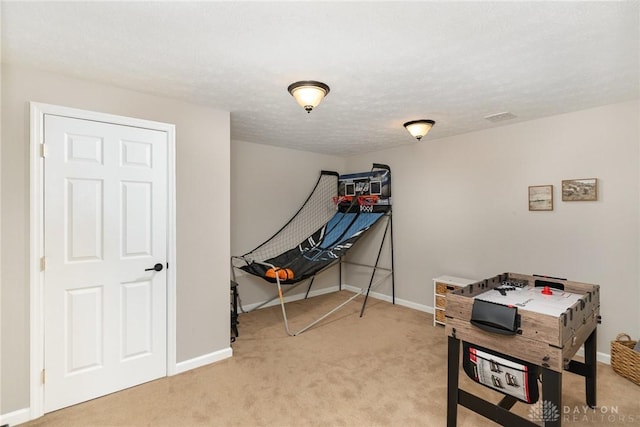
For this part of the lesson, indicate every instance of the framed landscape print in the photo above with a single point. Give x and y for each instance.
(541, 198)
(574, 190)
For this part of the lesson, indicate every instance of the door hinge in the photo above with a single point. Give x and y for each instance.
(43, 263)
(44, 377)
(43, 150)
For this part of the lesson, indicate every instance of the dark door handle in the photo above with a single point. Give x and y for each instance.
(157, 267)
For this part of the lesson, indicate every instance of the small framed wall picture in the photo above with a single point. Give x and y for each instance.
(576, 190)
(541, 198)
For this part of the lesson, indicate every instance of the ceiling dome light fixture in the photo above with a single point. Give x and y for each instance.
(308, 93)
(419, 128)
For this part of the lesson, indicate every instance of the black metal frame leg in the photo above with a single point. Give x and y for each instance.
(552, 398)
(453, 368)
(590, 360)
(588, 369)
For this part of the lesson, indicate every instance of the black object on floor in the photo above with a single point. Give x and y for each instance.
(234, 311)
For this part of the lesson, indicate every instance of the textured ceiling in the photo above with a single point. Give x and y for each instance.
(386, 62)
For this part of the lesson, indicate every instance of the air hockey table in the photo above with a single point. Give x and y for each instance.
(537, 320)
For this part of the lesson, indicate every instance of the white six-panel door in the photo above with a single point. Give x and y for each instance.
(105, 224)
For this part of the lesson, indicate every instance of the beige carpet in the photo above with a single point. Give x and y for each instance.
(385, 369)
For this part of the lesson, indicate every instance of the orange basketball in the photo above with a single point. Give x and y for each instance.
(283, 273)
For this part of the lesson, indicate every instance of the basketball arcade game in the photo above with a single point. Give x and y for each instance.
(339, 210)
(369, 192)
(516, 328)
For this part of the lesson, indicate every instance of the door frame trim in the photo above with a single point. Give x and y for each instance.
(36, 240)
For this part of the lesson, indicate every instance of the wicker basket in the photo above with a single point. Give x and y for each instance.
(624, 360)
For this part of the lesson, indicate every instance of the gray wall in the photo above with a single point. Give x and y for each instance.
(203, 215)
(461, 207)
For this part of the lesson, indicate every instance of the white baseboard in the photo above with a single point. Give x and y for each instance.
(604, 358)
(388, 298)
(600, 357)
(16, 417)
(203, 360)
(292, 297)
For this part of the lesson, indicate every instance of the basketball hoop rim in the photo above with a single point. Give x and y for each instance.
(339, 199)
(369, 200)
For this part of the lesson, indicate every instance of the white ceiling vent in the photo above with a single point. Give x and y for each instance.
(500, 117)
